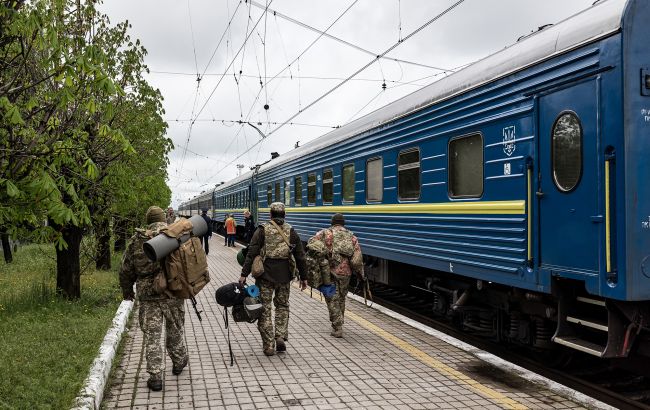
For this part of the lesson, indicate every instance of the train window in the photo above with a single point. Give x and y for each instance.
(466, 167)
(566, 146)
(311, 189)
(278, 198)
(408, 174)
(374, 179)
(287, 192)
(269, 192)
(328, 183)
(347, 183)
(297, 186)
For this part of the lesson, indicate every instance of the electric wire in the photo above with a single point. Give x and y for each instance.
(296, 59)
(347, 43)
(224, 122)
(229, 65)
(214, 52)
(291, 76)
(320, 98)
(189, 13)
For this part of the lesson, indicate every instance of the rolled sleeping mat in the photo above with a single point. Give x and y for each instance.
(162, 245)
(252, 291)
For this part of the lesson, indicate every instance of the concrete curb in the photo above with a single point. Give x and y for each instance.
(91, 394)
(494, 360)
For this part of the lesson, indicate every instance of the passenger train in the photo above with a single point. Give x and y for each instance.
(513, 191)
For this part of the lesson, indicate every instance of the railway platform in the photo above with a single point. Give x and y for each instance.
(381, 362)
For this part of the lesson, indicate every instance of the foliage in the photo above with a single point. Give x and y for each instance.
(48, 343)
(81, 131)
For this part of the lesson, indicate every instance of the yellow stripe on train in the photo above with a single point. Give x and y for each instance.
(479, 207)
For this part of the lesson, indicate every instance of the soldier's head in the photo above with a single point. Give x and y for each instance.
(204, 211)
(277, 210)
(155, 214)
(338, 219)
(170, 210)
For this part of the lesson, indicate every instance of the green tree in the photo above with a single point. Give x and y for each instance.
(70, 87)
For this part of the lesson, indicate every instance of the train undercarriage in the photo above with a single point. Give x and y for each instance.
(565, 321)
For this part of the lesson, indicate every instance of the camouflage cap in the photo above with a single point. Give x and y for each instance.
(277, 207)
(155, 214)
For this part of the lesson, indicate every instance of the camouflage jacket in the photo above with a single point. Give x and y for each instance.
(346, 257)
(137, 266)
(276, 261)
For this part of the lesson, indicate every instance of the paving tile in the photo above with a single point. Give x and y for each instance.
(363, 370)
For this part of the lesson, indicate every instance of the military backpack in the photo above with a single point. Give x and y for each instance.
(318, 263)
(186, 268)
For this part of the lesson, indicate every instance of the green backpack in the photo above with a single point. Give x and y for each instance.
(318, 264)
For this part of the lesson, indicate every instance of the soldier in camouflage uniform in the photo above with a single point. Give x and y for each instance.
(345, 259)
(170, 216)
(279, 269)
(155, 309)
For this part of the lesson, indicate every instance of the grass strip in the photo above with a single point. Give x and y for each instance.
(47, 344)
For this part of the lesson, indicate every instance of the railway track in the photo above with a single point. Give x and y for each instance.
(598, 378)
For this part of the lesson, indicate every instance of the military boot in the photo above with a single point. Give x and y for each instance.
(178, 368)
(279, 345)
(155, 382)
(337, 332)
(269, 351)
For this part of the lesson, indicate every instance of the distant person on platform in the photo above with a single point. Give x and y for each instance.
(345, 259)
(249, 226)
(155, 309)
(231, 230)
(225, 233)
(170, 216)
(271, 240)
(205, 239)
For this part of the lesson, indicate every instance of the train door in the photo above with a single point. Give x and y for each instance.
(568, 180)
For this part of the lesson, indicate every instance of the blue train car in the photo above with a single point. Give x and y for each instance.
(234, 198)
(513, 191)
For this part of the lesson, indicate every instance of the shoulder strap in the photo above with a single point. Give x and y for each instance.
(286, 240)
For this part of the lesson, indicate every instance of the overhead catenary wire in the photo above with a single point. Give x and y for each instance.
(391, 48)
(340, 40)
(281, 71)
(291, 76)
(226, 30)
(214, 89)
(189, 13)
(257, 122)
(198, 77)
(320, 98)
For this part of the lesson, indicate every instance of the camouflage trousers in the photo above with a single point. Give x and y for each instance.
(281, 303)
(153, 313)
(336, 304)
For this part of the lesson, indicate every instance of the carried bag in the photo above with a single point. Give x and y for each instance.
(186, 268)
(230, 294)
(258, 266)
(160, 282)
(244, 303)
(318, 265)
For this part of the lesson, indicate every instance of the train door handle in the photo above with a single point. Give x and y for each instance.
(539, 194)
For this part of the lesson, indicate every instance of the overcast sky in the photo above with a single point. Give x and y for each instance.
(278, 67)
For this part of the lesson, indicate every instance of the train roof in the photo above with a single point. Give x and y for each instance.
(600, 20)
